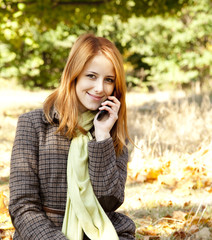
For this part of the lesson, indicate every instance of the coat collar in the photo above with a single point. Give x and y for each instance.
(55, 119)
(54, 115)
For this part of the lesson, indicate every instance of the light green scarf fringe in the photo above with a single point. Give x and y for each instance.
(83, 211)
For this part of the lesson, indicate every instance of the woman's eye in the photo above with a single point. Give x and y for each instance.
(91, 76)
(110, 80)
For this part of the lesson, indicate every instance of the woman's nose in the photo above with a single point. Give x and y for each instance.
(99, 86)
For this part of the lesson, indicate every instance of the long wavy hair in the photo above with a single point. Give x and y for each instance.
(64, 98)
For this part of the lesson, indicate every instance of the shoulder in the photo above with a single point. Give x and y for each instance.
(35, 122)
(35, 117)
(33, 113)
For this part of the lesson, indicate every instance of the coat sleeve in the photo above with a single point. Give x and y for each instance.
(108, 173)
(25, 205)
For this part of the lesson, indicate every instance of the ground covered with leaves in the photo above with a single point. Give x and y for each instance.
(169, 185)
(171, 198)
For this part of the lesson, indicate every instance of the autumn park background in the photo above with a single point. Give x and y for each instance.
(167, 51)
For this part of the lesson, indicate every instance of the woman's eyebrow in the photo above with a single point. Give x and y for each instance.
(112, 76)
(92, 71)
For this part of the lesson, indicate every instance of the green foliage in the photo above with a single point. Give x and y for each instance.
(37, 59)
(49, 13)
(162, 51)
(159, 50)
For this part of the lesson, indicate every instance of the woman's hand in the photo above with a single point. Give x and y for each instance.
(104, 126)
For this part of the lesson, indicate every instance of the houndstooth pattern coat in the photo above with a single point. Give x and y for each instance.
(38, 183)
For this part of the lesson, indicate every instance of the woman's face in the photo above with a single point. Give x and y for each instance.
(95, 83)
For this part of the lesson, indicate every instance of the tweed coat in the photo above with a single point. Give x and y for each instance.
(38, 183)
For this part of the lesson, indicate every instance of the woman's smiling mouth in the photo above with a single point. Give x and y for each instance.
(94, 97)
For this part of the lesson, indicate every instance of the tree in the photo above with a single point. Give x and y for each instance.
(49, 13)
(166, 48)
(177, 50)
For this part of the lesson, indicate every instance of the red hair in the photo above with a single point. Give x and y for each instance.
(64, 98)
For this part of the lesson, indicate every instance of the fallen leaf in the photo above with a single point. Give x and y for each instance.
(152, 175)
(3, 207)
(201, 220)
(186, 204)
(6, 226)
(179, 215)
(180, 235)
(151, 238)
(149, 230)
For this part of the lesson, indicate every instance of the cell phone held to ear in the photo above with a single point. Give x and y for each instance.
(102, 113)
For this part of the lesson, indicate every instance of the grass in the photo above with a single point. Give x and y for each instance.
(169, 186)
(171, 172)
(170, 122)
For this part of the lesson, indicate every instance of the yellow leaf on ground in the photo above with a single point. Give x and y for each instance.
(149, 230)
(6, 226)
(179, 215)
(3, 207)
(198, 220)
(153, 174)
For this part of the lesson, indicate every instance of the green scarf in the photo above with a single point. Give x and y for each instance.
(83, 211)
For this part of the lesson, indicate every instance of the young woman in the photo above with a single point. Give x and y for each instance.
(69, 165)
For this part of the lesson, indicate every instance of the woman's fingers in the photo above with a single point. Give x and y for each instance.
(112, 103)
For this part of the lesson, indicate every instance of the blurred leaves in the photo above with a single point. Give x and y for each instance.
(192, 171)
(6, 227)
(177, 226)
(183, 175)
(49, 13)
(164, 43)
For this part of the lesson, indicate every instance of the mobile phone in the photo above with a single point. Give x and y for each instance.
(103, 112)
